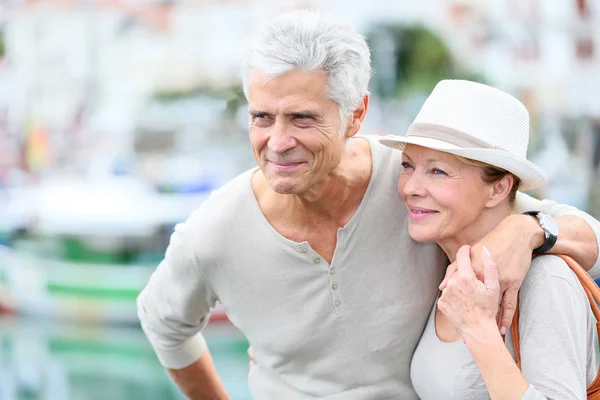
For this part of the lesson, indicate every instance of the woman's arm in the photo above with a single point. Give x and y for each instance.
(472, 306)
(501, 375)
(553, 326)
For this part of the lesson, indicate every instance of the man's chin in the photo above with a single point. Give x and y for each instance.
(284, 189)
(284, 186)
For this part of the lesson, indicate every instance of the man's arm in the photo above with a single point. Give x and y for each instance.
(173, 308)
(576, 238)
(578, 232)
(514, 239)
(200, 381)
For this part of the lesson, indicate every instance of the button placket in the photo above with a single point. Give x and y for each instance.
(334, 290)
(335, 287)
(332, 273)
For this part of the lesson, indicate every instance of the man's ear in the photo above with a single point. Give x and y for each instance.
(357, 118)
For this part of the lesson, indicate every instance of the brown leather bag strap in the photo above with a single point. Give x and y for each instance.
(514, 330)
(593, 293)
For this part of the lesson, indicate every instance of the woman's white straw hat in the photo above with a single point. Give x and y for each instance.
(477, 122)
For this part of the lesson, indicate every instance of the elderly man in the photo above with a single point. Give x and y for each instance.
(309, 252)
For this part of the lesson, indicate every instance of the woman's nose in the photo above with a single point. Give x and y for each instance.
(413, 186)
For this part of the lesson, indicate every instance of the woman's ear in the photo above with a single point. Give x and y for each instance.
(500, 190)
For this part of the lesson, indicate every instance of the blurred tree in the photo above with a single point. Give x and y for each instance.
(234, 96)
(2, 45)
(235, 99)
(410, 60)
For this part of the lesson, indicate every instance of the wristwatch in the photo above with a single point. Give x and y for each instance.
(550, 230)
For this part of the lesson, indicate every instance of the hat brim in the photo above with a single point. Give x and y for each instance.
(531, 175)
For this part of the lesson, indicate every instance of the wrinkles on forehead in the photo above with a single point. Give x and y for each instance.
(294, 94)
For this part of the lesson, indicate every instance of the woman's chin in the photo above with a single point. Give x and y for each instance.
(421, 235)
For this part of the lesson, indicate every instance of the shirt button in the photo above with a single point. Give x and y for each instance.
(334, 286)
(331, 271)
(303, 249)
(317, 260)
(337, 302)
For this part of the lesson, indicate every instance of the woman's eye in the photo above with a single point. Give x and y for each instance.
(406, 165)
(437, 171)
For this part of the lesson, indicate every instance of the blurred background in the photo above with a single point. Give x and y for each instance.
(119, 117)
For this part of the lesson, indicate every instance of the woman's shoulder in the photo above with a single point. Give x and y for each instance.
(548, 272)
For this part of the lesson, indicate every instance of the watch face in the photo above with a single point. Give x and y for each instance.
(548, 224)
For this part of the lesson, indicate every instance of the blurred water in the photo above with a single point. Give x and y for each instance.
(49, 361)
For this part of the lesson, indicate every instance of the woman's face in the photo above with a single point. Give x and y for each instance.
(443, 195)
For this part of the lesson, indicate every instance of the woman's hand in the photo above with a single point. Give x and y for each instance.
(511, 244)
(468, 303)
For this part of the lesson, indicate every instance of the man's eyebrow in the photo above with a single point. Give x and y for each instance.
(256, 112)
(298, 113)
(303, 113)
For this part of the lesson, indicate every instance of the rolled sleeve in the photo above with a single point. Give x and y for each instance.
(595, 225)
(186, 354)
(175, 304)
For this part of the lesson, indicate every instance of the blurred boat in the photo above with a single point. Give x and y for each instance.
(41, 359)
(84, 250)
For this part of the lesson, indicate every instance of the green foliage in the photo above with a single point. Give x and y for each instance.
(2, 44)
(420, 59)
(234, 96)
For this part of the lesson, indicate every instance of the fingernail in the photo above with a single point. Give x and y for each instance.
(486, 252)
(503, 329)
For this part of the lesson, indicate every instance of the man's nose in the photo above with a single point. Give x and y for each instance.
(281, 138)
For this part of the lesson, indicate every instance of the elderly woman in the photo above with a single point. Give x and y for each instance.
(464, 159)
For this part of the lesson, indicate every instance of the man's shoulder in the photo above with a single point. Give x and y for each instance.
(224, 204)
(237, 189)
(386, 161)
(378, 149)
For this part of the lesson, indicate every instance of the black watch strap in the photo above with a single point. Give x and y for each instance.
(551, 238)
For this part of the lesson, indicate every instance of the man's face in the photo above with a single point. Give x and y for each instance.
(294, 129)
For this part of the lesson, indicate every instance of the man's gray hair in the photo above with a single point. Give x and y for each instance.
(312, 41)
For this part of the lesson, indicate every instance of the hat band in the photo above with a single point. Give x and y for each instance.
(448, 135)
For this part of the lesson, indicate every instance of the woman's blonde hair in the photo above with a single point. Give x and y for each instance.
(491, 174)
